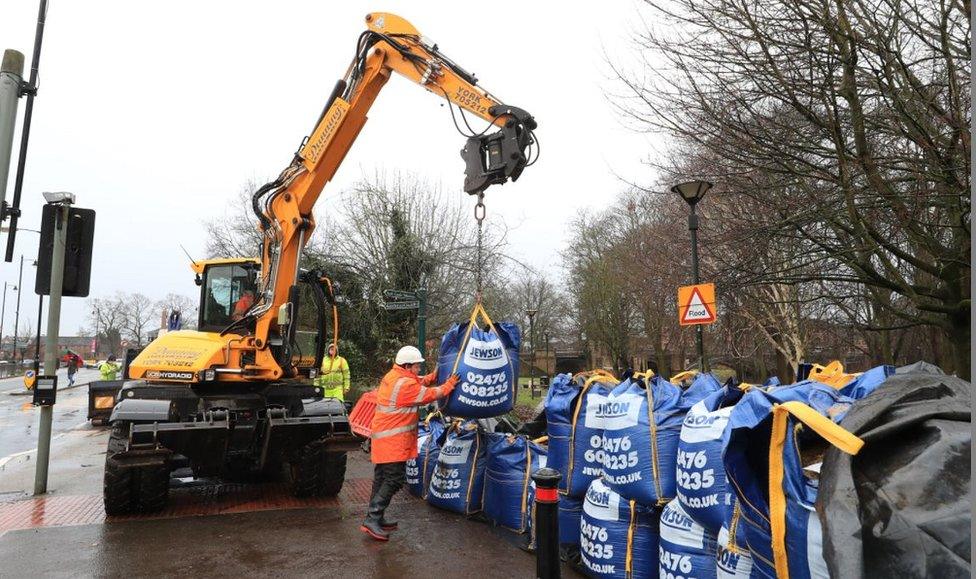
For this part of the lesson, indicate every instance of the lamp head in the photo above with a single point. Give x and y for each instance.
(692, 191)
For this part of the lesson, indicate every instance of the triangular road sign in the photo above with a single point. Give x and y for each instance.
(696, 304)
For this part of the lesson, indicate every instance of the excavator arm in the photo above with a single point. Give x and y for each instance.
(284, 206)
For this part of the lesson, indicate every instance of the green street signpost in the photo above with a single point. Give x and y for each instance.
(410, 300)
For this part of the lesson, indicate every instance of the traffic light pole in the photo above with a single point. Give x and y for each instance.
(51, 344)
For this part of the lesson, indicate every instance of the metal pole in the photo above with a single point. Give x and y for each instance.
(548, 372)
(30, 90)
(547, 523)
(3, 315)
(11, 79)
(51, 344)
(532, 350)
(422, 325)
(693, 227)
(20, 289)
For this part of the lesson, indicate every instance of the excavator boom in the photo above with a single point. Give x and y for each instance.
(256, 346)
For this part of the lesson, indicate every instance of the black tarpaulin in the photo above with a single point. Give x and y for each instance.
(901, 507)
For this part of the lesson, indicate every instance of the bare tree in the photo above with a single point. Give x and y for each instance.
(139, 312)
(235, 234)
(847, 122)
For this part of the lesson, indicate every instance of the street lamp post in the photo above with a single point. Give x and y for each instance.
(531, 313)
(693, 192)
(95, 343)
(20, 286)
(3, 313)
(545, 336)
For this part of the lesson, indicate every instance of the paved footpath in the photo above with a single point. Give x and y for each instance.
(229, 530)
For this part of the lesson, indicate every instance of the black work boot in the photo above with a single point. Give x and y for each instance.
(372, 528)
(388, 524)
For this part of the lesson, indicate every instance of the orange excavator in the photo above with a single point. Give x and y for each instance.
(232, 398)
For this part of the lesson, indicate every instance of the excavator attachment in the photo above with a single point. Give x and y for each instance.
(497, 157)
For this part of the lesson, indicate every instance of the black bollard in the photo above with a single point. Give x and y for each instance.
(547, 523)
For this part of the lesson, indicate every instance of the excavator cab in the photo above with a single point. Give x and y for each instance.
(228, 289)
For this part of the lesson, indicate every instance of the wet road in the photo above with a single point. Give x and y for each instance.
(19, 419)
(228, 533)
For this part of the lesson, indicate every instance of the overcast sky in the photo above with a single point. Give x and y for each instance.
(155, 114)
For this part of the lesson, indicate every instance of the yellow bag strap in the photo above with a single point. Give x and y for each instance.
(525, 488)
(832, 374)
(467, 334)
(541, 440)
(652, 426)
(629, 562)
(680, 376)
(431, 417)
(648, 374)
(832, 433)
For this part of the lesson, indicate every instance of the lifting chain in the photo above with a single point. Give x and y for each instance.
(479, 216)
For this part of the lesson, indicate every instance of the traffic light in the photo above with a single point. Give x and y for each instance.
(77, 251)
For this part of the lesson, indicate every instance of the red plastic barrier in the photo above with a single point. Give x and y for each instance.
(361, 417)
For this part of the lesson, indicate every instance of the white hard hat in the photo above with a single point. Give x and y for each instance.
(409, 355)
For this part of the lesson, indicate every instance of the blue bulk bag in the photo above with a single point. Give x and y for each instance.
(428, 448)
(459, 477)
(575, 428)
(685, 549)
(618, 537)
(731, 561)
(702, 486)
(642, 422)
(486, 361)
(703, 386)
(509, 489)
(570, 511)
(867, 382)
(776, 500)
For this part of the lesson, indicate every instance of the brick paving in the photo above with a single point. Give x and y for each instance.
(217, 499)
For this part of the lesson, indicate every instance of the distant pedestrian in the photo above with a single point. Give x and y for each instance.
(73, 363)
(394, 439)
(109, 369)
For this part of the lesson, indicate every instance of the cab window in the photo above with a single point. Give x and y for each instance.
(228, 292)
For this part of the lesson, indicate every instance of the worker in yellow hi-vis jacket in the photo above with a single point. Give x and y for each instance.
(334, 379)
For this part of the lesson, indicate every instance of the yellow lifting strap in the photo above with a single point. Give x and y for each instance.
(832, 374)
(682, 376)
(596, 372)
(476, 312)
(831, 432)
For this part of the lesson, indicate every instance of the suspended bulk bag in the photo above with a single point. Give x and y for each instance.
(702, 486)
(486, 361)
(731, 561)
(642, 422)
(767, 434)
(685, 549)
(575, 428)
(618, 538)
(420, 469)
(509, 489)
(458, 479)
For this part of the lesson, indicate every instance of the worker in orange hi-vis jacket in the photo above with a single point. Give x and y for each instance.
(394, 432)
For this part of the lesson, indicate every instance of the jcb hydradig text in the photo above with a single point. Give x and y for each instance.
(232, 398)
